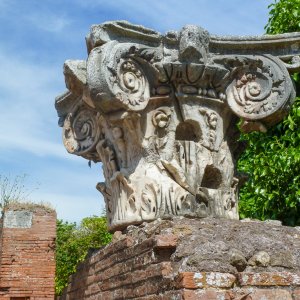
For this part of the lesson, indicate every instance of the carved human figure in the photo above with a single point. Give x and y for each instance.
(212, 121)
(120, 145)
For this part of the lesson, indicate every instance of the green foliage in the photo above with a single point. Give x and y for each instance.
(284, 17)
(73, 243)
(272, 160)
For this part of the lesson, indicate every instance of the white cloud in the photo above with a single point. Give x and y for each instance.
(30, 140)
(5, 6)
(71, 190)
(68, 185)
(38, 15)
(27, 93)
(219, 16)
(71, 207)
(25, 142)
(48, 21)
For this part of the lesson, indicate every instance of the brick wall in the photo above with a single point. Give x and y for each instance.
(27, 261)
(187, 259)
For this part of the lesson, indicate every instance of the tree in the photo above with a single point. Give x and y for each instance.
(272, 160)
(284, 17)
(73, 243)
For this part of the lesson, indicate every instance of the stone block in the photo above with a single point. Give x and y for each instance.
(269, 279)
(191, 280)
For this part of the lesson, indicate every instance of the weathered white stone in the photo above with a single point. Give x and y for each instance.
(160, 113)
(75, 76)
(17, 219)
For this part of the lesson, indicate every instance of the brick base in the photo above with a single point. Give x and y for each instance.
(187, 259)
(27, 260)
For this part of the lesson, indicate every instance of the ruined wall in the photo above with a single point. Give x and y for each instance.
(193, 259)
(27, 269)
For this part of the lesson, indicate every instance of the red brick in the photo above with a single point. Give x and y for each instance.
(112, 248)
(206, 295)
(166, 241)
(296, 294)
(28, 264)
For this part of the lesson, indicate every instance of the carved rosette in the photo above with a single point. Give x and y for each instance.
(132, 83)
(161, 113)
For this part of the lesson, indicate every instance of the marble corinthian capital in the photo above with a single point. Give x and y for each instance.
(161, 111)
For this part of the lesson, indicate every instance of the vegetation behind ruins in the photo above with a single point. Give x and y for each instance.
(272, 159)
(73, 243)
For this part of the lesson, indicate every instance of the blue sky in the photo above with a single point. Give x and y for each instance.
(37, 36)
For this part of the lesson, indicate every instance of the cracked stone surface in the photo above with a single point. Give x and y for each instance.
(227, 246)
(160, 112)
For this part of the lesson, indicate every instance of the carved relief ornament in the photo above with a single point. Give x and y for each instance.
(160, 113)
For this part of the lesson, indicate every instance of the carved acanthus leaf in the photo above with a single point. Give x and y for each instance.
(149, 201)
